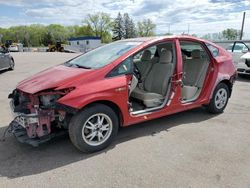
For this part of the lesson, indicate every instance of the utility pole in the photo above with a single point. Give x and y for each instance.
(242, 26)
(188, 28)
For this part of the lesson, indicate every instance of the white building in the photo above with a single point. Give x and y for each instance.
(84, 44)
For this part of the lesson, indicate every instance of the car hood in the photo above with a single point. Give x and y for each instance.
(51, 78)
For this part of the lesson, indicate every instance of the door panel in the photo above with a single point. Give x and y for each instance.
(3, 61)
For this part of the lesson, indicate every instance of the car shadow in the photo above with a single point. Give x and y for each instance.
(18, 160)
(3, 71)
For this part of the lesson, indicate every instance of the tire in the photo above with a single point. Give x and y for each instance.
(12, 65)
(85, 128)
(61, 49)
(219, 100)
(241, 75)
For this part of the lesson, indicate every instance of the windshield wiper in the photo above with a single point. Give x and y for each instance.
(81, 66)
(76, 65)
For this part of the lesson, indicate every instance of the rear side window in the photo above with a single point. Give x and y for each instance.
(214, 51)
(188, 47)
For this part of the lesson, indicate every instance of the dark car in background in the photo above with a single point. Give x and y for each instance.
(6, 60)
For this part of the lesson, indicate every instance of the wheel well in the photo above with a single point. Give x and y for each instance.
(112, 105)
(229, 85)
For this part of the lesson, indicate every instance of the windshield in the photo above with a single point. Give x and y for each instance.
(104, 55)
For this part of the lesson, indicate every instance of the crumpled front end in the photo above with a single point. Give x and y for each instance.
(38, 117)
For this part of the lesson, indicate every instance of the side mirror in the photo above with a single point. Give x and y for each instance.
(244, 51)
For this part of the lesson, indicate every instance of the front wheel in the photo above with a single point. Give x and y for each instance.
(12, 65)
(219, 100)
(93, 128)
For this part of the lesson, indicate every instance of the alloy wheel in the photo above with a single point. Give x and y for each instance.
(221, 98)
(97, 129)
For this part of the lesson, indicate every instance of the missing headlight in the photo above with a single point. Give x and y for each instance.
(49, 100)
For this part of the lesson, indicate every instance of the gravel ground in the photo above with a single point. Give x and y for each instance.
(188, 149)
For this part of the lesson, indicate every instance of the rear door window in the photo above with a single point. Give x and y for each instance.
(187, 47)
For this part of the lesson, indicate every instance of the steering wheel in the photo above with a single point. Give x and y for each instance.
(137, 73)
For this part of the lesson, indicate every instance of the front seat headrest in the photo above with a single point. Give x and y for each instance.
(196, 54)
(166, 56)
(146, 56)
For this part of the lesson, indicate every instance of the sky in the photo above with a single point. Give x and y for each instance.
(200, 16)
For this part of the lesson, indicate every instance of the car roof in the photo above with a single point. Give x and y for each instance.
(150, 40)
(158, 38)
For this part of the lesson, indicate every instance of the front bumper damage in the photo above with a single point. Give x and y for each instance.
(34, 122)
(21, 135)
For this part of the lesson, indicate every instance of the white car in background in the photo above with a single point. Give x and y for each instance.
(16, 47)
(243, 66)
(241, 56)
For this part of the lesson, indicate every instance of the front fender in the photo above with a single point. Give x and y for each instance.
(113, 89)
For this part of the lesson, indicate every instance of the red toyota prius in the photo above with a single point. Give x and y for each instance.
(120, 84)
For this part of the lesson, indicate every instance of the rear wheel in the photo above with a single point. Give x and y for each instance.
(93, 128)
(219, 100)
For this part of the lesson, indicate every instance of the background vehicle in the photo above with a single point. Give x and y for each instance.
(243, 66)
(16, 47)
(120, 84)
(58, 47)
(239, 49)
(13, 47)
(6, 60)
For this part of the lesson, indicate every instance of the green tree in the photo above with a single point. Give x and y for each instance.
(231, 34)
(47, 39)
(118, 28)
(129, 27)
(101, 25)
(84, 30)
(146, 28)
(58, 32)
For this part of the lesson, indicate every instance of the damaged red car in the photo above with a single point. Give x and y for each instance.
(120, 84)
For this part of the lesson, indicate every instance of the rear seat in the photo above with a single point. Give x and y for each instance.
(194, 74)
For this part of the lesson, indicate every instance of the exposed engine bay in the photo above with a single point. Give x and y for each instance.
(38, 117)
